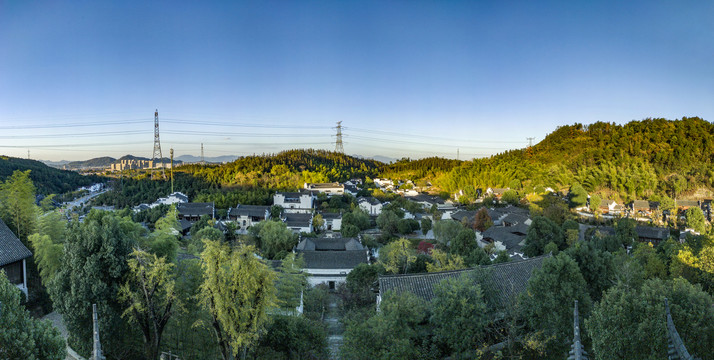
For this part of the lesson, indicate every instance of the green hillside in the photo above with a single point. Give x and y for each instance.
(48, 180)
(635, 160)
(287, 169)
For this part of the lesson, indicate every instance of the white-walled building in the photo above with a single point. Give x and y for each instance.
(329, 260)
(330, 189)
(293, 202)
(174, 198)
(370, 205)
(246, 216)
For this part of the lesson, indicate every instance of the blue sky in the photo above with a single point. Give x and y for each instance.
(81, 79)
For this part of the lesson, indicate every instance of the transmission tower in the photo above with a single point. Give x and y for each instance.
(171, 151)
(203, 162)
(338, 142)
(157, 146)
(530, 141)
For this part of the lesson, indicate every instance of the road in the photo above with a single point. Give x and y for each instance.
(83, 200)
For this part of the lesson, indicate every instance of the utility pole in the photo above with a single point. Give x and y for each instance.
(457, 153)
(171, 151)
(28, 154)
(338, 142)
(157, 146)
(530, 141)
(97, 352)
(203, 162)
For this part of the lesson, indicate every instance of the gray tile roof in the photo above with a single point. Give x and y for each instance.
(334, 259)
(460, 215)
(510, 236)
(195, 209)
(11, 248)
(431, 199)
(649, 232)
(329, 244)
(297, 219)
(507, 280)
(370, 200)
(249, 210)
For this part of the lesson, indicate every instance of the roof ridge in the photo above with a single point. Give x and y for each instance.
(489, 266)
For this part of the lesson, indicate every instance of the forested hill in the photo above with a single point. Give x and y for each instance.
(635, 160)
(287, 169)
(48, 180)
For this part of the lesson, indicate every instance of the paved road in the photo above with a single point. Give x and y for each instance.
(83, 200)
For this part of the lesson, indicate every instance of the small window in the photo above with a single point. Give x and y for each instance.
(331, 284)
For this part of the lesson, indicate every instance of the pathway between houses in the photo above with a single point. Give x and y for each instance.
(58, 322)
(334, 327)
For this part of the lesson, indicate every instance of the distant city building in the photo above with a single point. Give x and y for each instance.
(135, 164)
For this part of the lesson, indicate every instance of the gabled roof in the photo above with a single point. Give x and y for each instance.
(334, 259)
(507, 280)
(460, 215)
(370, 200)
(641, 204)
(510, 236)
(431, 199)
(195, 209)
(688, 203)
(248, 210)
(298, 219)
(329, 244)
(331, 216)
(649, 232)
(11, 248)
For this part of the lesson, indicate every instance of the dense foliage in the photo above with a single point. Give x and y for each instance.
(48, 180)
(635, 160)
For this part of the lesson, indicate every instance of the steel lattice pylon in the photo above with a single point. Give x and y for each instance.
(338, 142)
(157, 147)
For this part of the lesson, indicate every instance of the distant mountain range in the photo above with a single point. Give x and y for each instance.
(214, 159)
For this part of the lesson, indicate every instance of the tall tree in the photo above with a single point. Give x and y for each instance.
(291, 281)
(541, 232)
(150, 296)
(543, 305)
(578, 196)
(392, 333)
(629, 323)
(696, 220)
(275, 237)
(460, 315)
(17, 204)
(238, 289)
(397, 256)
(94, 266)
(482, 220)
(21, 336)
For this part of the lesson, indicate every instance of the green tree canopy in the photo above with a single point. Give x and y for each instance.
(540, 233)
(150, 296)
(238, 290)
(696, 220)
(460, 315)
(21, 336)
(544, 306)
(629, 323)
(94, 266)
